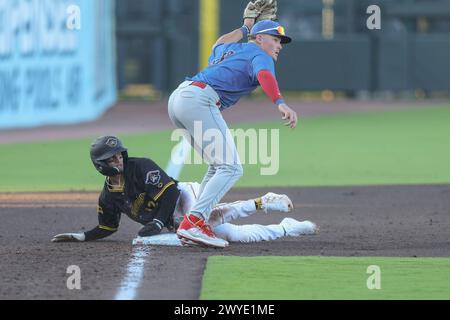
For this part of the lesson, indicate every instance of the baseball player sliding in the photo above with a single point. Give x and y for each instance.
(139, 188)
(234, 70)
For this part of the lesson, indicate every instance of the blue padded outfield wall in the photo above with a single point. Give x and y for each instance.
(57, 63)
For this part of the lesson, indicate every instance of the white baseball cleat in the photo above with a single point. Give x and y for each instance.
(294, 228)
(276, 202)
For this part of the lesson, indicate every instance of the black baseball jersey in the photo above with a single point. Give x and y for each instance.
(148, 193)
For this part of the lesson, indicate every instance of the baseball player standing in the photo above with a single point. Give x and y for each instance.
(234, 70)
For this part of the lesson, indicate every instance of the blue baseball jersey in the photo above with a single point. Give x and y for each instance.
(232, 70)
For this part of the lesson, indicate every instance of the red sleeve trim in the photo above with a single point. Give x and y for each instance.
(269, 84)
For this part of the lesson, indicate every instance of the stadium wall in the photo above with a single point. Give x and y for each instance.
(57, 61)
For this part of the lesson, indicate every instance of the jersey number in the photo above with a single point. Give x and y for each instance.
(223, 57)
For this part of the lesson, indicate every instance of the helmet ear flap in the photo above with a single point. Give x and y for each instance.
(125, 156)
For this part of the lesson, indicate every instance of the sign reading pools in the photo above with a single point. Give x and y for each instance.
(56, 61)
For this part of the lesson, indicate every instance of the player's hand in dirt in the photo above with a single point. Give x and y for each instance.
(151, 229)
(69, 237)
(288, 114)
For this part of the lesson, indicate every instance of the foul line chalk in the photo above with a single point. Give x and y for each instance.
(139, 254)
(133, 277)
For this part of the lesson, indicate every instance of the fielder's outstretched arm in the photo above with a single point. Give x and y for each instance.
(269, 84)
(255, 9)
(238, 34)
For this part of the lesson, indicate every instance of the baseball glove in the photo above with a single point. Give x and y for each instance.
(269, 11)
(261, 10)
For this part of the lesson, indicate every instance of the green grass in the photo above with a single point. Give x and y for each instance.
(402, 147)
(298, 278)
(65, 165)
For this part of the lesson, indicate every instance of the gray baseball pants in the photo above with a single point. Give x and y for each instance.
(196, 110)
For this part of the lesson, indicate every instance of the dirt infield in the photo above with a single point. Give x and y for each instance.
(355, 221)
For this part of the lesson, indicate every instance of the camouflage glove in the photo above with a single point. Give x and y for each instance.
(254, 8)
(268, 11)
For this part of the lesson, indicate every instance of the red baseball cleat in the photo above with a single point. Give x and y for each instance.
(196, 230)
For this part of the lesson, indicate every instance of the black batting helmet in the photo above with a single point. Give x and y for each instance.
(103, 148)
